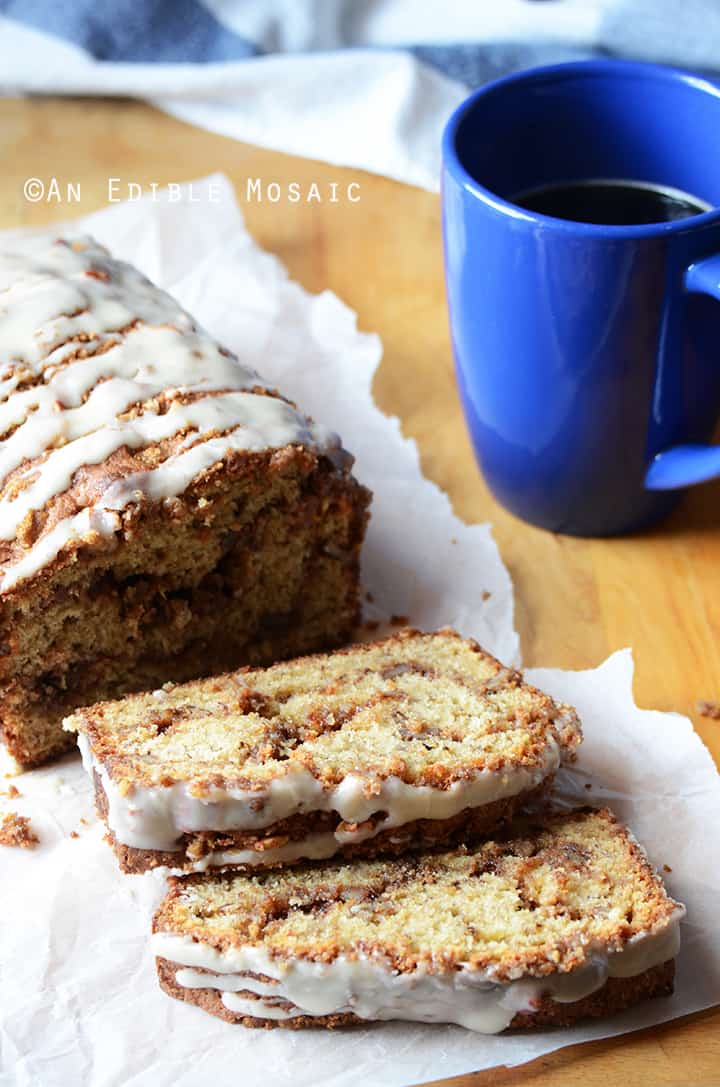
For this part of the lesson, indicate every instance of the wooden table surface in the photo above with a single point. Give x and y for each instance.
(577, 600)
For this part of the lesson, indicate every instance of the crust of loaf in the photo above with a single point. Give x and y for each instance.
(616, 995)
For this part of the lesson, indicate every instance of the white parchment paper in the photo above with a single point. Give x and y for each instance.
(79, 1004)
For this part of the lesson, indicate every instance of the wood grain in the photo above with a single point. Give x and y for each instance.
(577, 600)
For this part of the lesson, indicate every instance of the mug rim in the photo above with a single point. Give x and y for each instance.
(554, 72)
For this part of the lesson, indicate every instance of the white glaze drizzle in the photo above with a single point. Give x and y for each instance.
(314, 847)
(155, 818)
(148, 345)
(371, 990)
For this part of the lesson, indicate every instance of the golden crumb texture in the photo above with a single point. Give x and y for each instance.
(430, 709)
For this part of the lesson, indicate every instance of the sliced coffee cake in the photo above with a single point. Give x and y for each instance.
(562, 920)
(418, 739)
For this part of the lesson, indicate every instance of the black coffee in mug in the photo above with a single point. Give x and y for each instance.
(612, 203)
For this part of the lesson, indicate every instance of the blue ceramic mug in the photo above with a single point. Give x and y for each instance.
(588, 356)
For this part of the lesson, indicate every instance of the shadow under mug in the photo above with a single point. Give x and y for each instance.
(587, 356)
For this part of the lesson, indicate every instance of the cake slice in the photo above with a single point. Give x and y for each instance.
(554, 922)
(417, 739)
(164, 514)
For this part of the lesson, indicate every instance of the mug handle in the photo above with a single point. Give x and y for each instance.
(683, 465)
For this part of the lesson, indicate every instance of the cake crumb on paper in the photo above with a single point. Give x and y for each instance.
(15, 831)
(708, 708)
(12, 792)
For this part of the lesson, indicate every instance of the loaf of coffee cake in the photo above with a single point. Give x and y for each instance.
(549, 924)
(164, 514)
(384, 747)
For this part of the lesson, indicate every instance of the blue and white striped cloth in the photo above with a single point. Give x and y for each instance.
(366, 84)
